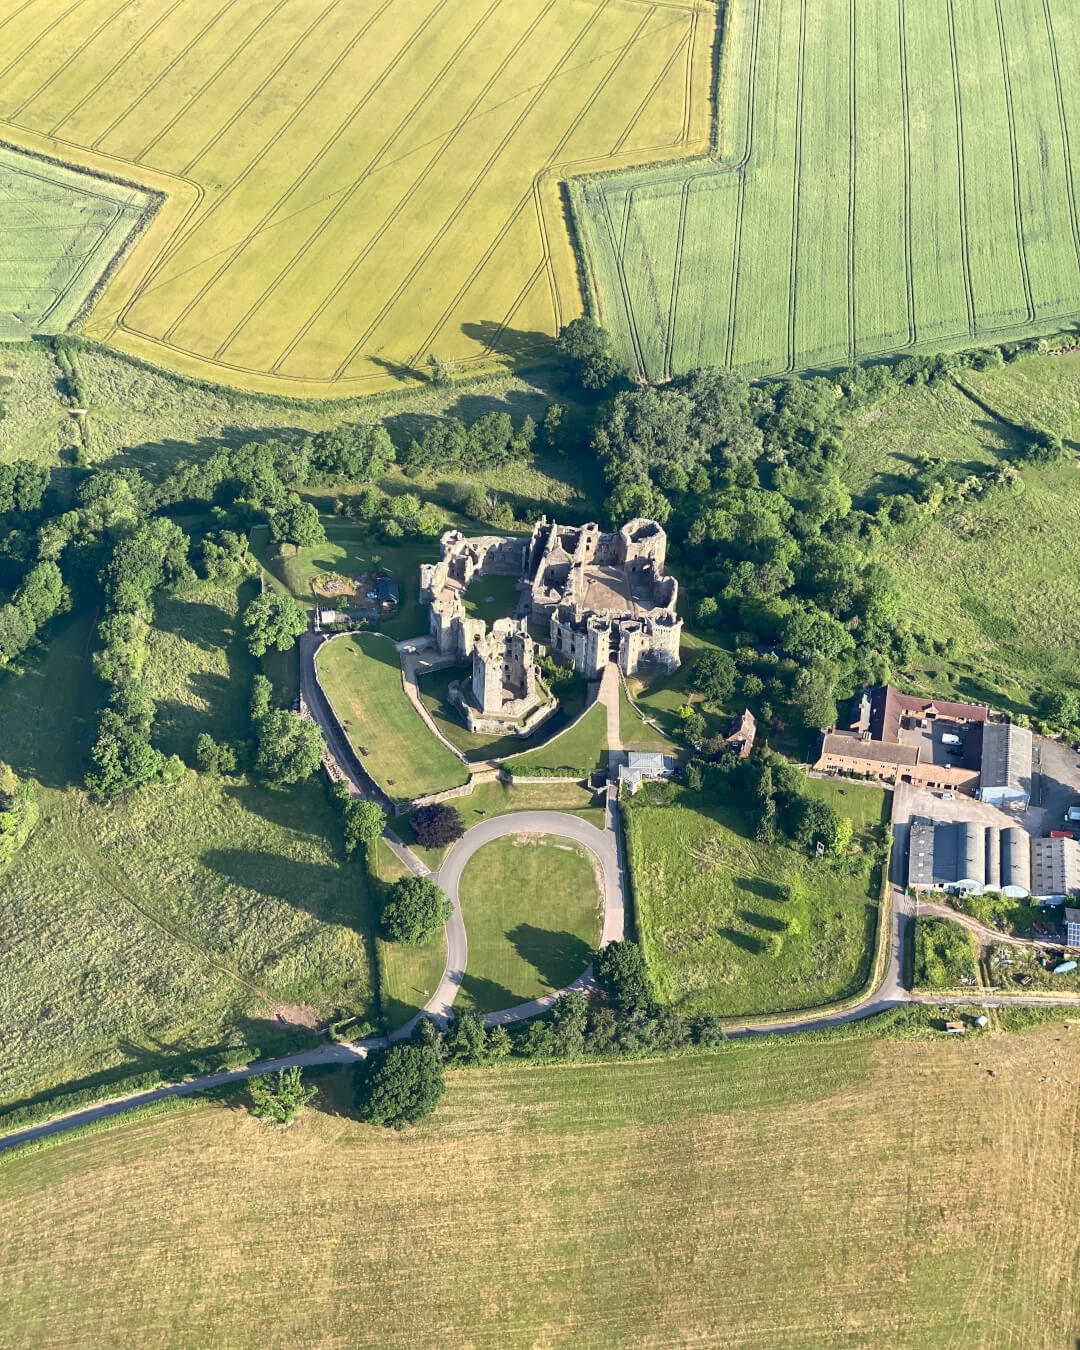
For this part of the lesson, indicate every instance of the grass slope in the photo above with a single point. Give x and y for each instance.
(174, 923)
(408, 976)
(575, 753)
(352, 186)
(434, 690)
(533, 912)
(361, 675)
(711, 910)
(875, 186)
(735, 1172)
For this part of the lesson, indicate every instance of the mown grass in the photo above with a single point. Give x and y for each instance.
(661, 696)
(576, 753)
(492, 597)
(635, 733)
(361, 675)
(734, 1171)
(533, 911)
(408, 976)
(719, 931)
(496, 799)
(176, 922)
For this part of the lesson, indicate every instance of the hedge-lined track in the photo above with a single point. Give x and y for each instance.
(359, 172)
(927, 202)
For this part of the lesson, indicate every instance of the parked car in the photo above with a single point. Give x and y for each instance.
(947, 796)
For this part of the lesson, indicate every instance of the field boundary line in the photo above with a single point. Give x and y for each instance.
(534, 191)
(905, 96)
(300, 108)
(74, 56)
(965, 255)
(796, 184)
(181, 55)
(485, 169)
(116, 66)
(541, 176)
(43, 34)
(346, 193)
(852, 167)
(442, 146)
(1018, 204)
(1066, 144)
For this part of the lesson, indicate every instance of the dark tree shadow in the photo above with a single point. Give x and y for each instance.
(768, 922)
(489, 995)
(745, 941)
(282, 878)
(765, 890)
(557, 958)
(533, 347)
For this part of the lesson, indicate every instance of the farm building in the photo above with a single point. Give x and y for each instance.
(742, 732)
(969, 858)
(1055, 867)
(1005, 771)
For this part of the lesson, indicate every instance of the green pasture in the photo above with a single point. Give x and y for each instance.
(173, 926)
(361, 676)
(533, 911)
(575, 753)
(732, 926)
(876, 186)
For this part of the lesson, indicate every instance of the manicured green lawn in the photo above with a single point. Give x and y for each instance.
(496, 799)
(717, 931)
(636, 734)
(492, 597)
(408, 976)
(661, 696)
(361, 675)
(575, 753)
(533, 915)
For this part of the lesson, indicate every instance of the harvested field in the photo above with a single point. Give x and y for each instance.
(889, 174)
(890, 1196)
(350, 187)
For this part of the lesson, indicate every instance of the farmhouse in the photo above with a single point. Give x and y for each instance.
(931, 743)
(741, 733)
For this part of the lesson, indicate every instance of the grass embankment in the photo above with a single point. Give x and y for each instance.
(361, 676)
(718, 928)
(988, 583)
(636, 734)
(661, 696)
(576, 753)
(533, 911)
(408, 976)
(733, 1171)
(170, 927)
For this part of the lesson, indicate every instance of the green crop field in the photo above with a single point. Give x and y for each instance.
(59, 231)
(533, 913)
(349, 186)
(732, 926)
(887, 174)
(795, 1196)
(361, 677)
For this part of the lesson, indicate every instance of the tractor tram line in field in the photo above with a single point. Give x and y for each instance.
(1066, 144)
(909, 271)
(1014, 156)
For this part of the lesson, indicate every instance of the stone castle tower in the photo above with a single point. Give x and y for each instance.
(504, 669)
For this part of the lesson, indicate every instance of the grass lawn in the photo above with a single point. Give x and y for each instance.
(636, 734)
(492, 597)
(661, 696)
(533, 913)
(496, 799)
(361, 675)
(575, 753)
(711, 913)
(172, 926)
(476, 745)
(408, 976)
(735, 1171)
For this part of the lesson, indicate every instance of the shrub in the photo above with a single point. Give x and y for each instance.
(414, 911)
(437, 826)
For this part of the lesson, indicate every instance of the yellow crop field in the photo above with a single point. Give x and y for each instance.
(351, 185)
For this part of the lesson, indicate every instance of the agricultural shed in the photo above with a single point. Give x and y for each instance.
(1005, 773)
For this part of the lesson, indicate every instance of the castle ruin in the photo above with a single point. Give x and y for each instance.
(601, 597)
